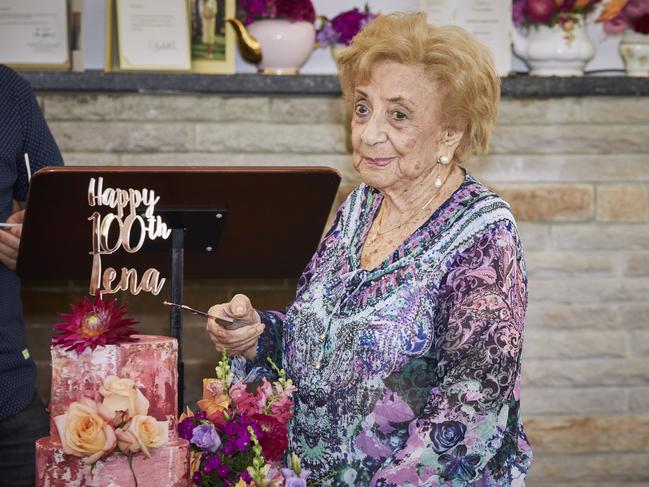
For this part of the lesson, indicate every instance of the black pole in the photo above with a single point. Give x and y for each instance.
(176, 319)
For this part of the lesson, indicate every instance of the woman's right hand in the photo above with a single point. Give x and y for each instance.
(240, 341)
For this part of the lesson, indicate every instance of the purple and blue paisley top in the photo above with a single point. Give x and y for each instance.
(409, 374)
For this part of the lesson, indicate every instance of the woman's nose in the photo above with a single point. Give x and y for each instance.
(374, 130)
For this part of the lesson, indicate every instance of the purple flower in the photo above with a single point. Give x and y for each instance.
(348, 24)
(446, 435)
(327, 36)
(200, 416)
(222, 470)
(246, 476)
(186, 428)
(197, 478)
(292, 480)
(517, 12)
(539, 11)
(616, 26)
(205, 437)
(211, 463)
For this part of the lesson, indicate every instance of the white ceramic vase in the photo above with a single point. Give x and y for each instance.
(285, 45)
(555, 51)
(634, 48)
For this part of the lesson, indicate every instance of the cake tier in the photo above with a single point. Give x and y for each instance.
(167, 467)
(150, 361)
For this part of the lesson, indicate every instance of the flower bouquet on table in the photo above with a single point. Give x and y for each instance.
(338, 32)
(620, 15)
(239, 437)
(566, 13)
(293, 10)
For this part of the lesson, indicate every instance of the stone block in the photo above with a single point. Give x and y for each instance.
(561, 168)
(534, 236)
(571, 110)
(575, 316)
(578, 139)
(589, 289)
(123, 137)
(340, 162)
(622, 203)
(586, 372)
(542, 264)
(90, 159)
(608, 468)
(588, 434)
(613, 236)
(636, 263)
(573, 401)
(273, 138)
(549, 202)
(635, 315)
(575, 344)
(307, 110)
(639, 400)
(80, 107)
(641, 341)
(173, 108)
(243, 109)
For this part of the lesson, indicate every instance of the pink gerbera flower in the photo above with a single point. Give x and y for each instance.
(92, 324)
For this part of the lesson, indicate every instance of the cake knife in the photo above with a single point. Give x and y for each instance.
(227, 323)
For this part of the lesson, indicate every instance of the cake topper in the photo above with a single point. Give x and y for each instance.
(122, 223)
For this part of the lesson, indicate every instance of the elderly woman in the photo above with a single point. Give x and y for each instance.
(404, 339)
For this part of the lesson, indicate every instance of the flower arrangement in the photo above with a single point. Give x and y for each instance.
(92, 429)
(239, 437)
(343, 27)
(93, 323)
(566, 13)
(293, 10)
(619, 15)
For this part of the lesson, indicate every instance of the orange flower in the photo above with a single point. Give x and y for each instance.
(214, 408)
(581, 3)
(611, 10)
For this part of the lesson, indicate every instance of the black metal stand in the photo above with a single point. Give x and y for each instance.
(176, 317)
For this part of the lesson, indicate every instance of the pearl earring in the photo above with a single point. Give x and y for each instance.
(441, 160)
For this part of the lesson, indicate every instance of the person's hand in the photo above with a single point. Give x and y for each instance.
(243, 340)
(10, 240)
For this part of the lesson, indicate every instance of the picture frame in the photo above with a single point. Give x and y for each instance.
(489, 22)
(147, 35)
(213, 41)
(35, 34)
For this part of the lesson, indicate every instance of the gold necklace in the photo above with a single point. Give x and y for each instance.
(380, 233)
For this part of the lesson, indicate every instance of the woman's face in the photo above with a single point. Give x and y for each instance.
(396, 130)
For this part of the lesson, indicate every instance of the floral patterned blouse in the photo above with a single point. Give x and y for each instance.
(409, 374)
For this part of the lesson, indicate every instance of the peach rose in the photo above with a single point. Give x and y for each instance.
(142, 433)
(122, 395)
(85, 430)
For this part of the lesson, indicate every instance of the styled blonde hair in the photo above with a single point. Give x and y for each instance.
(460, 67)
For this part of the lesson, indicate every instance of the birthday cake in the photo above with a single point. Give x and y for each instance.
(113, 406)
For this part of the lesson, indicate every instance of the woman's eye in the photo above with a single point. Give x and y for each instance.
(361, 109)
(399, 116)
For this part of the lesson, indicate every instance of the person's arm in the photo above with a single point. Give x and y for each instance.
(463, 425)
(38, 142)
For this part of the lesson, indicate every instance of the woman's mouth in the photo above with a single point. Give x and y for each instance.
(378, 161)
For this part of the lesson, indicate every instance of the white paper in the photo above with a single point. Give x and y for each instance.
(153, 34)
(34, 32)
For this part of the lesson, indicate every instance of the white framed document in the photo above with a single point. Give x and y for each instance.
(34, 34)
(488, 20)
(152, 35)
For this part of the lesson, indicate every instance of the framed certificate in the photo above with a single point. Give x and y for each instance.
(213, 39)
(34, 34)
(150, 35)
(488, 20)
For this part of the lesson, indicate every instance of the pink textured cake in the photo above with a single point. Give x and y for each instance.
(149, 365)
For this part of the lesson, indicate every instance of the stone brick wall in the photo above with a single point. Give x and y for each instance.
(576, 171)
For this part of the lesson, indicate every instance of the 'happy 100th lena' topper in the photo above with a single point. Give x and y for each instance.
(113, 231)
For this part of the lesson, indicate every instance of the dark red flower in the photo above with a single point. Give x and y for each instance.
(295, 10)
(539, 10)
(92, 324)
(273, 438)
